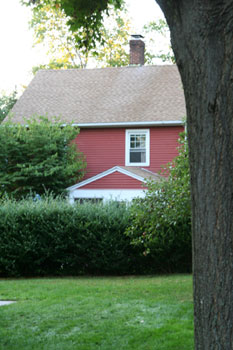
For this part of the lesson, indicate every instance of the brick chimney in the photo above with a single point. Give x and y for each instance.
(137, 48)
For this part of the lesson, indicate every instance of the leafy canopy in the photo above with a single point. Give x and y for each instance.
(38, 158)
(74, 46)
(114, 52)
(85, 14)
(65, 48)
(154, 31)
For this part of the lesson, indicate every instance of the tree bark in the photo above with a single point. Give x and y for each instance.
(202, 40)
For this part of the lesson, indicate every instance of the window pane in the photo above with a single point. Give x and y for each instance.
(143, 141)
(137, 157)
(133, 138)
(143, 144)
(143, 157)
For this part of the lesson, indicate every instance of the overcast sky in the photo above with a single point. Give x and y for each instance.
(17, 55)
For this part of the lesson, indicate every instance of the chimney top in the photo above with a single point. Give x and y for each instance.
(136, 36)
(137, 48)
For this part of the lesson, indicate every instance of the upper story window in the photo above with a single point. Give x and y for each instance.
(137, 147)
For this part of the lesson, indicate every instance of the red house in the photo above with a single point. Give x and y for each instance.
(129, 118)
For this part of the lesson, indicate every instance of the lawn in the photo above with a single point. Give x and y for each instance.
(118, 313)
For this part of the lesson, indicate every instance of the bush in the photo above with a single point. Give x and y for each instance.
(51, 237)
(161, 222)
(6, 103)
(38, 158)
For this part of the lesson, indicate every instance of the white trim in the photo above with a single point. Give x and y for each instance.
(128, 132)
(103, 174)
(107, 194)
(126, 124)
(129, 124)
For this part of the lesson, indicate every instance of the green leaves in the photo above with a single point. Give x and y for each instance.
(154, 32)
(38, 157)
(161, 222)
(82, 16)
(69, 48)
(114, 53)
(6, 104)
(51, 237)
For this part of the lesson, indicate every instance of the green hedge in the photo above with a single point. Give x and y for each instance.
(50, 237)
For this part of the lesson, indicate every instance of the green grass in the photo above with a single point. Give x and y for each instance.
(131, 313)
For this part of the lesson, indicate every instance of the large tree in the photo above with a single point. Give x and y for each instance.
(201, 36)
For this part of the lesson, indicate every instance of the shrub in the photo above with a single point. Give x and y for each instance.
(6, 103)
(51, 237)
(161, 222)
(38, 158)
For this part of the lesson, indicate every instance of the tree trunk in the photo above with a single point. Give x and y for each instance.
(202, 40)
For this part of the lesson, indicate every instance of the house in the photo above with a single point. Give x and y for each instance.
(129, 119)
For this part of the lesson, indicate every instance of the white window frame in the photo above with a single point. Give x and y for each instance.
(130, 132)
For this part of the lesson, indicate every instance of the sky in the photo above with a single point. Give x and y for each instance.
(17, 56)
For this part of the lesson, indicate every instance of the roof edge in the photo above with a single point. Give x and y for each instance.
(103, 174)
(129, 124)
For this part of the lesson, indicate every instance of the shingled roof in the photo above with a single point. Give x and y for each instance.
(107, 95)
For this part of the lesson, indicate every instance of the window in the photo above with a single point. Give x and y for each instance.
(88, 200)
(137, 147)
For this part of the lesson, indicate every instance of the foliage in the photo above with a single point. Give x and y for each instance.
(153, 32)
(6, 104)
(39, 157)
(51, 237)
(65, 50)
(54, 64)
(161, 222)
(115, 34)
(87, 15)
(85, 20)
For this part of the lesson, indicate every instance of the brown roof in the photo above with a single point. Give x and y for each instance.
(107, 95)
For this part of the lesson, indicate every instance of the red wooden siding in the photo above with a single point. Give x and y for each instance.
(104, 148)
(115, 180)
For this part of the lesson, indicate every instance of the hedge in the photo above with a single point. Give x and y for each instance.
(50, 237)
